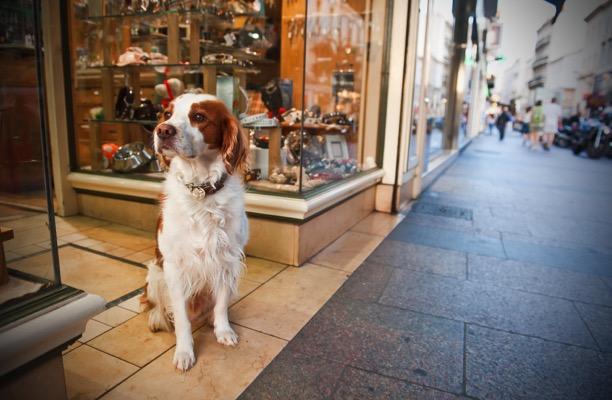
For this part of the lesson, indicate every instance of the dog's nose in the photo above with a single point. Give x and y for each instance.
(165, 131)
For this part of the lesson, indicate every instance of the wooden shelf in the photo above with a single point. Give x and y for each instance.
(232, 67)
(320, 129)
(124, 121)
(161, 14)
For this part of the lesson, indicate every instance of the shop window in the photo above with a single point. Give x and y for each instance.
(28, 255)
(303, 77)
(418, 82)
(439, 42)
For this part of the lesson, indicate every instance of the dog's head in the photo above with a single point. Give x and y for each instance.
(198, 124)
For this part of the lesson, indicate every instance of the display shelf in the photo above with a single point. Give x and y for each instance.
(319, 129)
(123, 121)
(16, 47)
(233, 67)
(207, 46)
(164, 13)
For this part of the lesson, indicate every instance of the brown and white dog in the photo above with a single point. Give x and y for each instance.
(203, 226)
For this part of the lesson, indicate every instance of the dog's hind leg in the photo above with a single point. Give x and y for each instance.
(157, 298)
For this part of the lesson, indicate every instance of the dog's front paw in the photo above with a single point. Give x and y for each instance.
(226, 336)
(183, 359)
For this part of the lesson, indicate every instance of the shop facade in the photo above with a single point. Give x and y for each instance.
(350, 106)
(333, 135)
(327, 69)
(303, 77)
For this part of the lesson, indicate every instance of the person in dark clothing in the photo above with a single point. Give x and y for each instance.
(502, 120)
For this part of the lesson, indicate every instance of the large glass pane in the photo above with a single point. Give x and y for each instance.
(26, 261)
(342, 40)
(131, 58)
(440, 35)
(418, 81)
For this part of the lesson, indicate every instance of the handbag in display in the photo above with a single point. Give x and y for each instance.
(123, 105)
(249, 34)
(272, 96)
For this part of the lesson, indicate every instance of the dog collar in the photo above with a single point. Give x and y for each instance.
(206, 189)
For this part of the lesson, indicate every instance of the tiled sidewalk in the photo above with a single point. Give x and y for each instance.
(118, 358)
(497, 285)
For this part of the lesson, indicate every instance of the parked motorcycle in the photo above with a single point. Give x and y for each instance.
(565, 136)
(597, 140)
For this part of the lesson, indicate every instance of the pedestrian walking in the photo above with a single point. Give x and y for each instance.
(502, 120)
(536, 124)
(525, 129)
(552, 118)
(490, 124)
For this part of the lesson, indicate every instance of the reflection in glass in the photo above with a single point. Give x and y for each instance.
(440, 33)
(418, 78)
(26, 264)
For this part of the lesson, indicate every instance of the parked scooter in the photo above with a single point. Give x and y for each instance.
(565, 136)
(597, 140)
(600, 142)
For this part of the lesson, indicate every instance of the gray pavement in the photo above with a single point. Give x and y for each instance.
(497, 285)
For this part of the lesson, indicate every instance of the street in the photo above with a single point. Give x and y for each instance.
(497, 284)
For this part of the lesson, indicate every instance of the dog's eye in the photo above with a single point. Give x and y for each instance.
(167, 115)
(199, 117)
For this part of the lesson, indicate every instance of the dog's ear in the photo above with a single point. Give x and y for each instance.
(234, 145)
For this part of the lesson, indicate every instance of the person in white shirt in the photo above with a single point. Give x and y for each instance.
(552, 118)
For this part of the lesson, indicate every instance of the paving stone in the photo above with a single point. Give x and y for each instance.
(571, 259)
(366, 284)
(396, 343)
(459, 226)
(293, 375)
(357, 384)
(420, 258)
(447, 239)
(434, 195)
(599, 321)
(538, 279)
(552, 242)
(501, 365)
(595, 235)
(502, 224)
(495, 307)
(298, 376)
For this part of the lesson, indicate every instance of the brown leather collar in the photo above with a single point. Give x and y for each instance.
(206, 189)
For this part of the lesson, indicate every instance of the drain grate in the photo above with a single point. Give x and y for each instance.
(487, 151)
(443, 210)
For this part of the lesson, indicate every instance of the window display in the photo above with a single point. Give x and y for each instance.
(293, 72)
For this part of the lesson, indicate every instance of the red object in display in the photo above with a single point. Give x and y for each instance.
(109, 150)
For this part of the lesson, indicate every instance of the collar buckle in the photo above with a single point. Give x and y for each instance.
(207, 188)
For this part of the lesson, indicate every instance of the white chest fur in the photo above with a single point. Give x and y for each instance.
(202, 239)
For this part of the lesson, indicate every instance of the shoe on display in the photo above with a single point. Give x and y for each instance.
(133, 56)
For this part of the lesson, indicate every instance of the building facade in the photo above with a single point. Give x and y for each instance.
(349, 107)
(596, 66)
